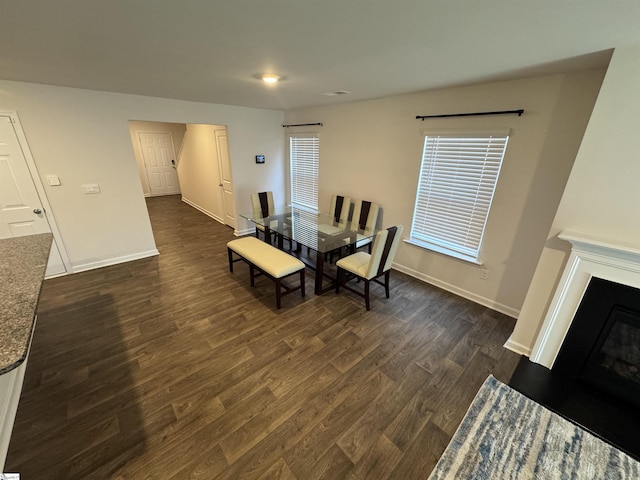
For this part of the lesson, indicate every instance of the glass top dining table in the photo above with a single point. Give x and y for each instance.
(317, 231)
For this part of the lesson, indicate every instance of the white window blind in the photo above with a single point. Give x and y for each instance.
(304, 157)
(458, 177)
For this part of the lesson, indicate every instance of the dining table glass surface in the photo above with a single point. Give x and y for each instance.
(318, 231)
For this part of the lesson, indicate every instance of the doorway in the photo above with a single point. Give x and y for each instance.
(24, 208)
(202, 166)
(226, 179)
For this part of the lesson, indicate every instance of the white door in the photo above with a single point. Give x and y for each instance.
(21, 210)
(224, 164)
(160, 163)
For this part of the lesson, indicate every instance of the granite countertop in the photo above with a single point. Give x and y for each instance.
(23, 261)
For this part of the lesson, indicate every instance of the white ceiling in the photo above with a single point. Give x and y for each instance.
(210, 50)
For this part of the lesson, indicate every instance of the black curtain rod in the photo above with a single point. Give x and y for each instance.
(301, 125)
(476, 114)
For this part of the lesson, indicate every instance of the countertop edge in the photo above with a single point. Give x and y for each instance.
(23, 262)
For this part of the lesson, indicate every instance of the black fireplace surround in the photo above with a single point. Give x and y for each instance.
(602, 347)
(595, 380)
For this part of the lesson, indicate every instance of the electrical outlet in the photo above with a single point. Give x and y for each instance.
(484, 274)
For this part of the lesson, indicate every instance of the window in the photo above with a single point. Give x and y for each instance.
(304, 156)
(457, 180)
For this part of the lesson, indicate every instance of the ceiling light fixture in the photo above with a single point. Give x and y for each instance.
(335, 93)
(270, 78)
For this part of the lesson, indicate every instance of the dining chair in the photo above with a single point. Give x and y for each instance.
(370, 266)
(339, 208)
(339, 213)
(365, 217)
(263, 206)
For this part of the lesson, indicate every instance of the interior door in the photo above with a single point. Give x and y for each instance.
(21, 210)
(160, 163)
(224, 164)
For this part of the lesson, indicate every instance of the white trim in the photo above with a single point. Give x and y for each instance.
(444, 251)
(509, 311)
(114, 261)
(517, 347)
(203, 210)
(466, 132)
(590, 257)
(242, 233)
(37, 182)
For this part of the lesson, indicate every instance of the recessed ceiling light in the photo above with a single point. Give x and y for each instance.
(270, 78)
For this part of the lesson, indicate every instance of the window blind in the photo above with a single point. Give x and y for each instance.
(304, 156)
(457, 181)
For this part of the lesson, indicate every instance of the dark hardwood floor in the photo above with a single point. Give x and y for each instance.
(172, 368)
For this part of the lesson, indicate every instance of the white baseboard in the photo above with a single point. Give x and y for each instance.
(512, 312)
(203, 210)
(246, 231)
(517, 347)
(114, 261)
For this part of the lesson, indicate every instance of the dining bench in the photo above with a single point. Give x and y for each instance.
(268, 261)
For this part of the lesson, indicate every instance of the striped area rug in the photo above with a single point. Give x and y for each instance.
(505, 435)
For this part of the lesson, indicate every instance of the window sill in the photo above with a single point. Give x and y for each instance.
(442, 250)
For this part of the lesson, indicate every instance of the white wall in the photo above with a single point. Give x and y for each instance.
(602, 196)
(83, 136)
(198, 171)
(372, 150)
(177, 131)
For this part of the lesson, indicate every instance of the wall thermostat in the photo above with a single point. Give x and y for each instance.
(259, 158)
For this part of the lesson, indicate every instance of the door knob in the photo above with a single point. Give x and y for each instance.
(37, 211)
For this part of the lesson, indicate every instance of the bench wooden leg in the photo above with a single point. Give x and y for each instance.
(339, 279)
(251, 274)
(278, 293)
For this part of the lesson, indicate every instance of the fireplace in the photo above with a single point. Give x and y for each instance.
(585, 364)
(602, 346)
(590, 259)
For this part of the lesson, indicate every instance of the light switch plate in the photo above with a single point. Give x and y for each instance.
(53, 180)
(90, 188)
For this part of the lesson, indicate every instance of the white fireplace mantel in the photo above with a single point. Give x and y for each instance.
(590, 257)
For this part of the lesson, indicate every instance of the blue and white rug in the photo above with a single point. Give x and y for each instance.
(505, 435)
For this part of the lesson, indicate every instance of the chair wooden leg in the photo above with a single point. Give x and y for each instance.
(386, 282)
(339, 278)
(366, 294)
(230, 253)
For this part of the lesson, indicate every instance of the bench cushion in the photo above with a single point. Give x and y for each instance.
(267, 258)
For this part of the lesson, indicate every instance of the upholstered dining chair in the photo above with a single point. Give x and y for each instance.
(365, 217)
(370, 267)
(339, 212)
(263, 206)
(339, 208)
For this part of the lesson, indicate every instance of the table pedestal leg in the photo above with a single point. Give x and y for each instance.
(319, 272)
